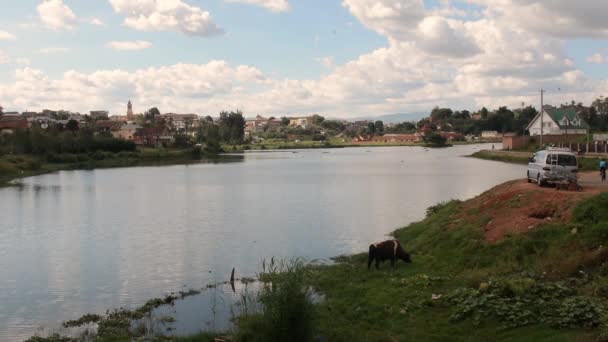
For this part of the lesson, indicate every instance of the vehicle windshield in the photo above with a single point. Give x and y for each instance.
(562, 159)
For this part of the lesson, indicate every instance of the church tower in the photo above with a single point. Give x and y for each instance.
(130, 115)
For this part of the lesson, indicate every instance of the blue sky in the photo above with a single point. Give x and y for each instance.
(336, 57)
(284, 44)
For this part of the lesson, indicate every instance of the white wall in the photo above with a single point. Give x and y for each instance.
(551, 128)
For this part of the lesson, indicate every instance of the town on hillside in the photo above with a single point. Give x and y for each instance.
(516, 129)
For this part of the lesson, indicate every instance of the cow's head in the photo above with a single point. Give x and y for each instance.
(406, 257)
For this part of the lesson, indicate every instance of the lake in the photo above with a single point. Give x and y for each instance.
(75, 242)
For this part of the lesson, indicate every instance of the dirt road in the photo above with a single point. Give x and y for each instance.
(590, 181)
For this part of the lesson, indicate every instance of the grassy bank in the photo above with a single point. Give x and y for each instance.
(18, 166)
(585, 163)
(548, 285)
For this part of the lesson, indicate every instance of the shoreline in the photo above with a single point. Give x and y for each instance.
(24, 166)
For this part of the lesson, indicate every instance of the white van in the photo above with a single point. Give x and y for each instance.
(551, 164)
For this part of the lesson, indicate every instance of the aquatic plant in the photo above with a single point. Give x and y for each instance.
(287, 311)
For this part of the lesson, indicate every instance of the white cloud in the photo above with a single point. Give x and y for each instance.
(173, 15)
(23, 61)
(4, 59)
(272, 5)
(560, 18)
(96, 22)
(597, 58)
(443, 37)
(203, 88)
(56, 15)
(50, 50)
(7, 36)
(327, 62)
(129, 45)
(393, 18)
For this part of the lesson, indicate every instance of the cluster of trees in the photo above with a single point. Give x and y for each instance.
(229, 129)
(507, 120)
(37, 141)
(502, 120)
(232, 127)
(596, 115)
(372, 128)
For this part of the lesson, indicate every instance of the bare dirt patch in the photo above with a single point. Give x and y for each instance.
(517, 207)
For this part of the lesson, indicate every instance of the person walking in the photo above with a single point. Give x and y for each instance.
(603, 169)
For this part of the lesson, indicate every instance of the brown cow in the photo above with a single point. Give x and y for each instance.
(387, 250)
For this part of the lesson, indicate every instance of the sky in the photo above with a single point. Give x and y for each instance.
(338, 58)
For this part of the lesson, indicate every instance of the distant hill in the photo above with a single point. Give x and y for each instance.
(393, 118)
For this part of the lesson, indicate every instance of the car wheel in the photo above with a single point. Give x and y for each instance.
(528, 177)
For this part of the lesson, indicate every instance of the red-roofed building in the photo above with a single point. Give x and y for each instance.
(107, 126)
(158, 136)
(10, 124)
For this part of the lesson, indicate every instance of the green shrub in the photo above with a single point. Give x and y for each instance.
(593, 210)
(287, 312)
(62, 158)
(519, 302)
(32, 165)
(7, 168)
(438, 207)
(52, 338)
(196, 152)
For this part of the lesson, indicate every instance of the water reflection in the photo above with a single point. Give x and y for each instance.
(75, 242)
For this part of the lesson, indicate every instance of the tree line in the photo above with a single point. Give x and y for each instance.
(37, 141)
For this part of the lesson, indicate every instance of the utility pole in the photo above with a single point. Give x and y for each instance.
(542, 124)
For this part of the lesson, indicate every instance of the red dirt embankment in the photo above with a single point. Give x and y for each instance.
(517, 207)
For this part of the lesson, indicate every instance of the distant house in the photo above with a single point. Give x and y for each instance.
(107, 126)
(303, 122)
(29, 114)
(558, 121)
(397, 138)
(181, 123)
(99, 114)
(476, 117)
(273, 124)
(126, 131)
(491, 136)
(78, 118)
(11, 123)
(43, 122)
(158, 136)
(119, 118)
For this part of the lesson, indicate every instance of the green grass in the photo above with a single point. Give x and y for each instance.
(488, 291)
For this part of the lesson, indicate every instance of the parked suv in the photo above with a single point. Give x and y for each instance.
(551, 164)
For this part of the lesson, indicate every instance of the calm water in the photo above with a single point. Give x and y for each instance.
(85, 241)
